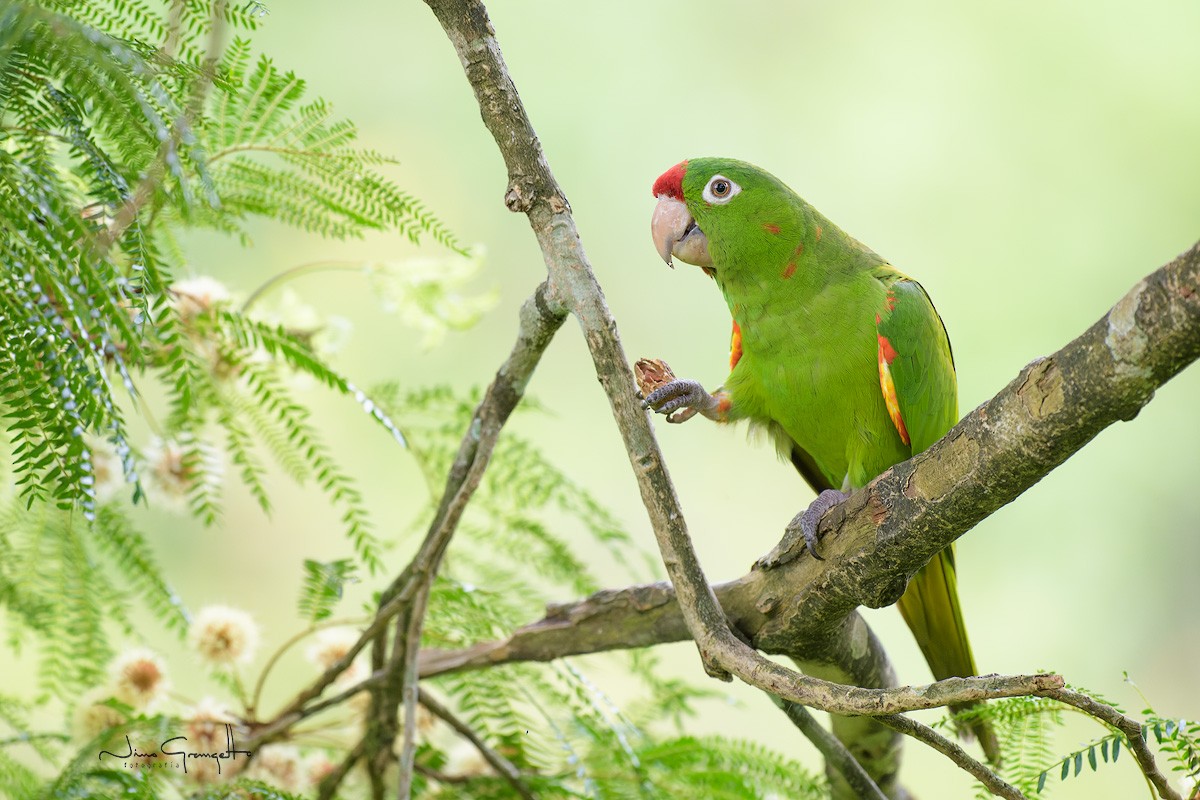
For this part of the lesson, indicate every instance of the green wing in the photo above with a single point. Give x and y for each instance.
(915, 354)
(922, 368)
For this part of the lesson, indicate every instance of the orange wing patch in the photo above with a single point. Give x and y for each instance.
(887, 354)
(790, 269)
(735, 346)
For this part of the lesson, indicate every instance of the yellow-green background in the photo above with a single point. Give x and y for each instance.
(1027, 161)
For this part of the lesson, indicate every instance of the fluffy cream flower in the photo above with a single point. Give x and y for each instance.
(465, 760)
(92, 717)
(330, 646)
(223, 635)
(194, 296)
(204, 726)
(279, 765)
(171, 478)
(138, 677)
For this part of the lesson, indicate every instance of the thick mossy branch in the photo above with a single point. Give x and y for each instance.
(887, 530)
(1055, 406)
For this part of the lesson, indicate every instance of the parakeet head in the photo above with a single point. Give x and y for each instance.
(713, 210)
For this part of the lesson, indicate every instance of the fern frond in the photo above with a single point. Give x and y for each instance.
(251, 334)
(324, 582)
(265, 387)
(269, 155)
(75, 646)
(131, 557)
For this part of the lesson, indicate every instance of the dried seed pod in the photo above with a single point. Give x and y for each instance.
(651, 373)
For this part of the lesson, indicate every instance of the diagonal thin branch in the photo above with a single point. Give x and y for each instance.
(505, 768)
(1129, 726)
(540, 320)
(923, 733)
(538, 326)
(327, 789)
(904, 517)
(834, 752)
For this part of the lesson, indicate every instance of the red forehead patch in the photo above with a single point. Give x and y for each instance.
(670, 182)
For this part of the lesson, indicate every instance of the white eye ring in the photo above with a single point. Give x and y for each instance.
(720, 190)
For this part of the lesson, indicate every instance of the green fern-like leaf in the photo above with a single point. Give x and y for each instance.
(131, 556)
(719, 767)
(269, 154)
(18, 742)
(324, 583)
(290, 350)
(1023, 726)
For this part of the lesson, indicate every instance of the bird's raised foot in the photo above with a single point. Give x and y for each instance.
(681, 400)
(801, 532)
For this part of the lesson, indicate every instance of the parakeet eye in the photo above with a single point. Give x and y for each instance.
(720, 189)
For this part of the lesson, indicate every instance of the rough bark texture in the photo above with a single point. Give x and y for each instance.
(805, 609)
(886, 531)
(883, 533)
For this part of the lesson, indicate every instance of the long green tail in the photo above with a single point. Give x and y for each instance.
(931, 609)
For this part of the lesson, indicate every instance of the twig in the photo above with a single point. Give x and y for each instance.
(128, 212)
(539, 323)
(923, 733)
(1118, 351)
(835, 752)
(381, 721)
(259, 684)
(1128, 726)
(330, 783)
(539, 320)
(1036, 403)
(440, 777)
(404, 665)
(505, 768)
(295, 272)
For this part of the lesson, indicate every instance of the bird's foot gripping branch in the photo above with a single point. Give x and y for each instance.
(909, 514)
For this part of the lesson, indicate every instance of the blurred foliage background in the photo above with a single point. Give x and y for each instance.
(1027, 162)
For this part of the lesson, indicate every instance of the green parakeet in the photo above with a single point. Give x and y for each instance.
(839, 355)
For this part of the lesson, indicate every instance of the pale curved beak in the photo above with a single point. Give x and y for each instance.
(675, 233)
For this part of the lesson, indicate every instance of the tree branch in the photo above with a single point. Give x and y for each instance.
(834, 752)
(892, 527)
(889, 529)
(411, 589)
(540, 320)
(923, 733)
(505, 768)
(1132, 730)
(327, 788)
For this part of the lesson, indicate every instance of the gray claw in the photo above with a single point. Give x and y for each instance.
(801, 530)
(678, 394)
